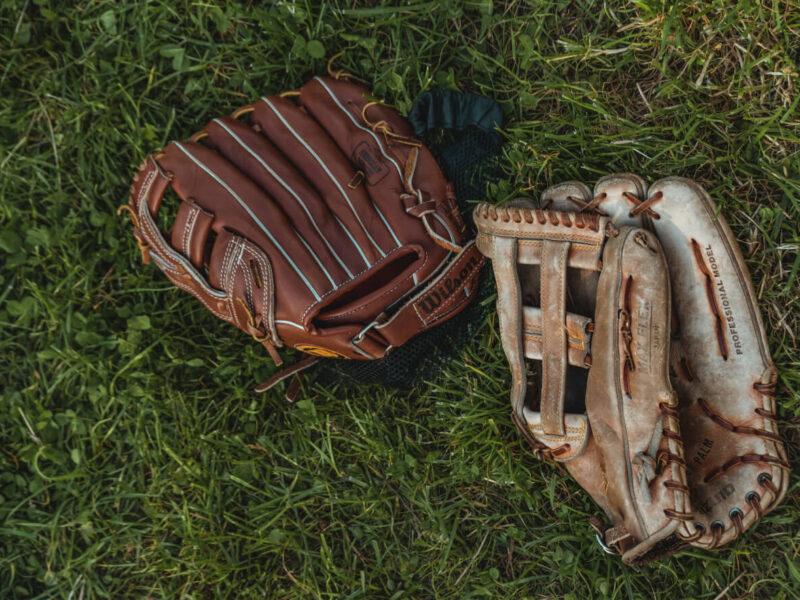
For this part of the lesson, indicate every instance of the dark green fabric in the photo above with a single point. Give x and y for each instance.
(445, 109)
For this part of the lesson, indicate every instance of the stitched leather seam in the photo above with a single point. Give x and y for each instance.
(580, 342)
(442, 314)
(294, 195)
(569, 429)
(146, 185)
(452, 298)
(236, 256)
(248, 282)
(325, 168)
(425, 284)
(188, 288)
(266, 290)
(532, 239)
(188, 229)
(580, 247)
(537, 237)
(617, 299)
(169, 257)
(225, 277)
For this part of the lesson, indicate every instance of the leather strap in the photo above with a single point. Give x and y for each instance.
(441, 298)
(301, 365)
(509, 311)
(554, 335)
(579, 336)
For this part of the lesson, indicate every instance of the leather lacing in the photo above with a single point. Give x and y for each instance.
(130, 208)
(746, 430)
(342, 73)
(540, 450)
(424, 206)
(385, 129)
(628, 363)
(639, 206)
(752, 498)
(768, 389)
(643, 206)
(736, 516)
(669, 411)
(719, 327)
(745, 459)
(256, 328)
(592, 206)
(516, 214)
(764, 479)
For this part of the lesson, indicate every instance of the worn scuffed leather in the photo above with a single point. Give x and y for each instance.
(316, 222)
(593, 304)
(720, 361)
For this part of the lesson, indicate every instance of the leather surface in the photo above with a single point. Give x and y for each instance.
(624, 447)
(303, 220)
(578, 330)
(720, 362)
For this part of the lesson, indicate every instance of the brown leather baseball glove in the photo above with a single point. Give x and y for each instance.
(720, 361)
(592, 303)
(313, 220)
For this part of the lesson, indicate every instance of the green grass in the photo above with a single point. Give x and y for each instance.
(135, 462)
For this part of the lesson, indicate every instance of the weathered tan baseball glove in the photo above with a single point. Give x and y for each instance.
(314, 220)
(592, 303)
(720, 362)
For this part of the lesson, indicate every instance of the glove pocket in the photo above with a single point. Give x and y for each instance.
(366, 296)
(631, 406)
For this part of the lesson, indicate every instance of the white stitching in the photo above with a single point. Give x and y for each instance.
(145, 189)
(357, 275)
(188, 228)
(146, 222)
(252, 215)
(310, 150)
(380, 147)
(227, 274)
(336, 100)
(315, 257)
(188, 288)
(266, 289)
(296, 197)
(411, 276)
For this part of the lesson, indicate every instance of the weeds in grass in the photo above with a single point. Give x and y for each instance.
(136, 462)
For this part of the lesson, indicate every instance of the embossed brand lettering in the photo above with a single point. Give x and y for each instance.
(705, 505)
(725, 302)
(644, 334)
(369, 161)
(703, 451)
(445, 289)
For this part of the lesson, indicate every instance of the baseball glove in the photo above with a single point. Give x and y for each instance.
(312, 220)
(592, 303)
(720, 363)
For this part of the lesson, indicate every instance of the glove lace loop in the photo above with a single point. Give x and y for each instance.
(342, 73)
(643, 206)
(259, 334)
